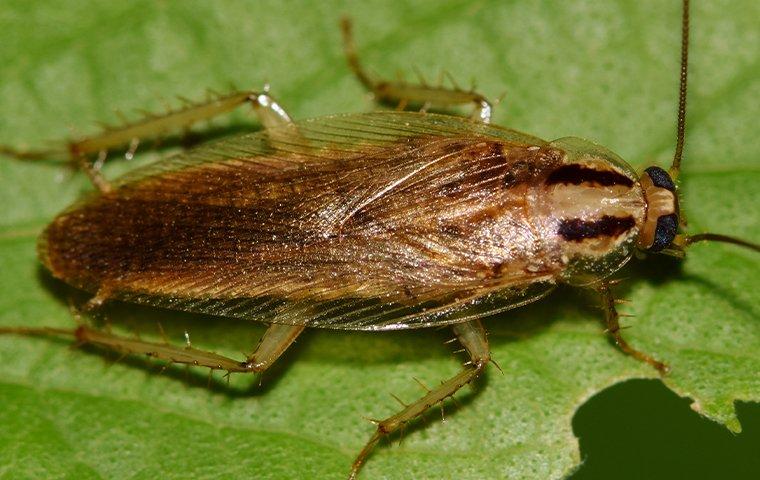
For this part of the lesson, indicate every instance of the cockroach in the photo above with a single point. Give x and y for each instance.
(375, 221)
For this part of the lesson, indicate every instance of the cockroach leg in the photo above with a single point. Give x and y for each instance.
(277, 123)
(273, 343)
(80, 152)
(152, 126)
(403, 93)
(92, 170)
(473, 337)
(612, 318)
(102, 296)
(270, 113)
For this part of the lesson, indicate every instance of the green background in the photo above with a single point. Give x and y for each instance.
(602, 70)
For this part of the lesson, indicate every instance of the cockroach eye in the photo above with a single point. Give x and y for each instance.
(667, 228)
(660, 178)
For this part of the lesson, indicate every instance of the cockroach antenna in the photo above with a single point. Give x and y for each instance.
(682, 241)
(675, 168)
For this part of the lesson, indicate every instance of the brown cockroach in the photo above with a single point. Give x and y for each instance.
(376, 221)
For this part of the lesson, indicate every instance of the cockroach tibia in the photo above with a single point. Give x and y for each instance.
(377, 221)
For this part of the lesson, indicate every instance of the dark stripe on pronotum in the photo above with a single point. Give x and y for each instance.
(660, 178)
(576, 230)
(576, 174)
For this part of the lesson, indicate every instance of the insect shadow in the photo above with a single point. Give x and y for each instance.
(664, 270)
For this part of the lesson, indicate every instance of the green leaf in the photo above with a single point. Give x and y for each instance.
(605, 71)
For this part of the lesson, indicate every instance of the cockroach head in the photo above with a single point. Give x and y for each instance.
(662, 216)
(662, 220)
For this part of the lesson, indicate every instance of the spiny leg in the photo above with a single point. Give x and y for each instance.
(612, 318)
(402, 93)
(273, 343)
(151, 126)
(472, 336)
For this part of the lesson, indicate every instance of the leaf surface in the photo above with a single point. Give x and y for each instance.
(605, 71)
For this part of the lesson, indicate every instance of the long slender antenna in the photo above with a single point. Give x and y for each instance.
(675, 168)
(716, 237)
(683, 241)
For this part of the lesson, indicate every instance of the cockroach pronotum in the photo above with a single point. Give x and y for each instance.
(375, 221)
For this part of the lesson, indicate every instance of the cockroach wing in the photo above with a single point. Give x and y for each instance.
(370, 221)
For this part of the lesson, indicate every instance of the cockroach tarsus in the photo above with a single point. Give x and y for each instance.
(377, 221)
